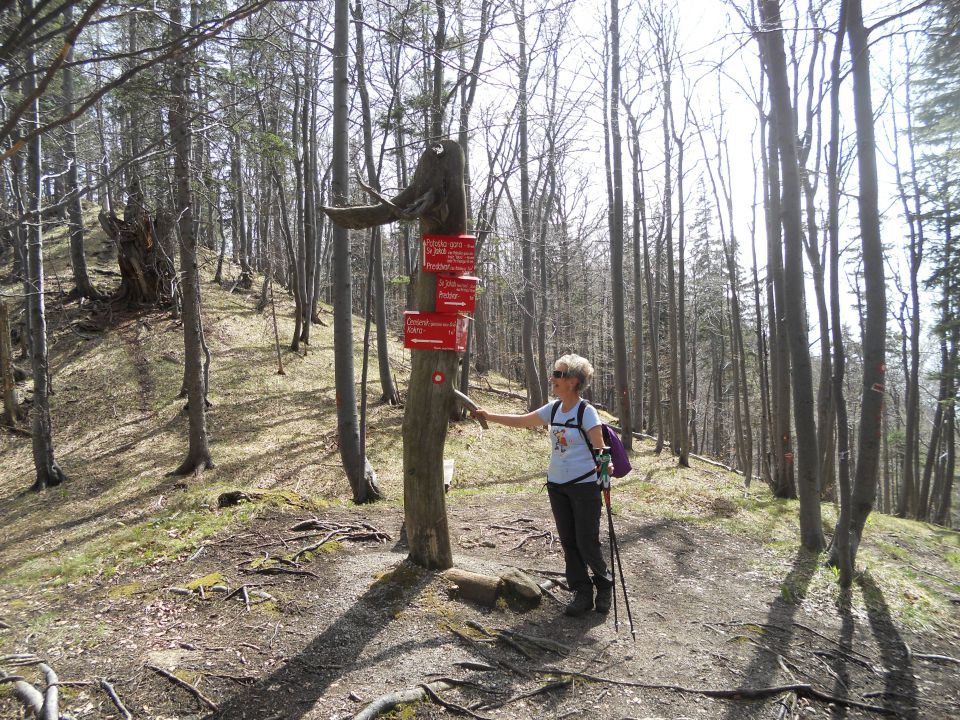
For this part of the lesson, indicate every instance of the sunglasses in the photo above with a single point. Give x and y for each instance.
(562, 374)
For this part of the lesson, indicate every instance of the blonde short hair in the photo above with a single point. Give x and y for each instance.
(578, 366)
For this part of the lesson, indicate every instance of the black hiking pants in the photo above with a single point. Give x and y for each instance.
(576, 509)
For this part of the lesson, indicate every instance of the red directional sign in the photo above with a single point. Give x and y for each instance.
(435, 331)
(456, 293)
(448, 253)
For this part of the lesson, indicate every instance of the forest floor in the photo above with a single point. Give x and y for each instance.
(123, 572)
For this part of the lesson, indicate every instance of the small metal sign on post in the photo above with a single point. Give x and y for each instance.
(456, 293)
(448, 253)
(434, 331)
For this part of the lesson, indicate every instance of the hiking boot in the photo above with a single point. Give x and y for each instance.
(604, 598)
(582, 601)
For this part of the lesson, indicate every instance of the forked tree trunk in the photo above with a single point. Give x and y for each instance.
(875, 326)
(795, 327)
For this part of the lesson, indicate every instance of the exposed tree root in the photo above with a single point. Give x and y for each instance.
(388, 702)
(115, 699)
(801, 690)
(42, 706)
(185, 685)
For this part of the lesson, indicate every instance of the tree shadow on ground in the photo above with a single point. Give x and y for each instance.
(779, 628)
(306, 676)
(899, 683)
(841, 682)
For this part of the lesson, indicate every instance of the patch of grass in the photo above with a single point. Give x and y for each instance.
(953, 558)
(894, 551)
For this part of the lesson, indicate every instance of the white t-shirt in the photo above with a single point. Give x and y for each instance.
(571, 457)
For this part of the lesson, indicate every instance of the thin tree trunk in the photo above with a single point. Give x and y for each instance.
(198, 455)
(360, 473)
(48, 471)
(620, 369)
(78, 260)
(531, 371)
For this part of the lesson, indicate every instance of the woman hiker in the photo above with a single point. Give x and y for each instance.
(575, 496)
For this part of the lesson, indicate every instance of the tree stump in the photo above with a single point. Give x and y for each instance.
(144, 250)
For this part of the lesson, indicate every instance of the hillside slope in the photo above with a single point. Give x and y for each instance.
(102, 577)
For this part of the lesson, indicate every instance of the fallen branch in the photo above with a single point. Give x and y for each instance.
(801, 689)
(948, 581)
(115, 699)
(280, 571)
(185, 685)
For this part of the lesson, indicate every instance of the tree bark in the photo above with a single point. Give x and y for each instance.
(621, 370)
(875, 327)
(360, 473)
(437, 197)
(795, 327)
(531, 371)
(81, 278)
(48, 471)
(198, 454)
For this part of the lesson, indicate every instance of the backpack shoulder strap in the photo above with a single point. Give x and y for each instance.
(553, 412)
(580, 412)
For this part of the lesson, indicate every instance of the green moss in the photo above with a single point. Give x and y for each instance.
(122, 591)
(207, 581)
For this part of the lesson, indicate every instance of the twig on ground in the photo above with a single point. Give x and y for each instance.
(185, 685)
(948, 581)
(280, 571)
(115, 699)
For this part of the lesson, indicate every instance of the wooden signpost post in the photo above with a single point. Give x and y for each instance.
(436, 197)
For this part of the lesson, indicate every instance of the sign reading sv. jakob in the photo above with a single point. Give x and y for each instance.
(448, 253)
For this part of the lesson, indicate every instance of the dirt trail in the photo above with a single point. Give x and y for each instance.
(358, 622)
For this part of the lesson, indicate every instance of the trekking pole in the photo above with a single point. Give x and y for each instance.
(603, 479)
(603, 460)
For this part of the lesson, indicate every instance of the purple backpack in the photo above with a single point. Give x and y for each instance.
(618, 453)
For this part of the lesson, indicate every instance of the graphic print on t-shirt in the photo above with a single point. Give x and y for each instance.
(561, 444)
